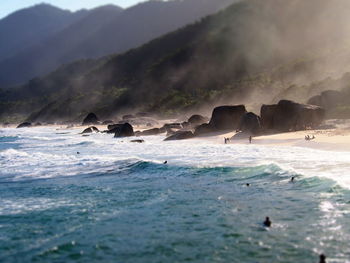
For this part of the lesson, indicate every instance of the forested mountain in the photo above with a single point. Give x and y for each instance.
(30, 26)
(248, 53)
(104, 31)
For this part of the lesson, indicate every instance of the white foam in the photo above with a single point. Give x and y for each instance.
(44, 153)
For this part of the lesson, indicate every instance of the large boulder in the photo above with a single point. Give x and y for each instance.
(90, 130)
(227, 117)
(125, 130)
(180, 135)
(24, 125)
(250, 123)
(197, 119)
(203, 129)
(291, 116)
(267, 114)
(169, 126)
(327, 99)
(90, 119)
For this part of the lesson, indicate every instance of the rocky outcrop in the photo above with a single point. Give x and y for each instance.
(90, 130)
(291, 116)
(169, 126)
(90, 119)
(24, 125)
(124, 130)
(250, 124)
(197, 119)
(227, 117)
(203, 129)
(180, 135)
(154, 131)
(327, 99)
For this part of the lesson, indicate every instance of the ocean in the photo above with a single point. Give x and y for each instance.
(65, 197)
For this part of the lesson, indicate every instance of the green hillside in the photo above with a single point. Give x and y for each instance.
(249, 53)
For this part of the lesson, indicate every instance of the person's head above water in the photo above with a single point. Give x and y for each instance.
(322, 258)
(267, 221)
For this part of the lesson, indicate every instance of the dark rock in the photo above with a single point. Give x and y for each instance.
(90, 130)
(38, 124)
(267, 114)
(186, 124)
(195, 120)
(328, 99)
(227, 117)
(291, 116)
(180, 135)
(91, 118)
(94, 129)
(171, 132)
(154, 131)
(112, 126)
(107, 122)
(203, 129)
(125, 130)
(87, 130)
(24, 125)
(138, 141)
(250, 123)
(172, 126)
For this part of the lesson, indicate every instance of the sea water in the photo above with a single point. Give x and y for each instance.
(117, 201)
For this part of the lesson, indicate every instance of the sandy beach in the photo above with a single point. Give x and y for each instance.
(331, 140)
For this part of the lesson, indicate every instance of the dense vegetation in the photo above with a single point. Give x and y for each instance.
(252, 52)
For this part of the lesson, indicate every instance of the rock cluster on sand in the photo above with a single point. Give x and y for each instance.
(282, 117)
(327, 99)
(180, 135)
(290, 116)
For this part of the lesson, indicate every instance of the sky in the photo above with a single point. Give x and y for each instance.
(9, 6)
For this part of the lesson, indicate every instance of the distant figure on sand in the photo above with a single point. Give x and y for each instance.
(267, 222)
(226, 140)
(322, 258)
(309, 138)
(250, 139)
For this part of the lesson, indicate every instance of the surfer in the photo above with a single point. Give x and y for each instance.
(322, 258)
(165, 162)
(267, 222)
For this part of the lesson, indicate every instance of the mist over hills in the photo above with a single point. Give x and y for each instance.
(252, 52)
(30, 26)
(100, 32)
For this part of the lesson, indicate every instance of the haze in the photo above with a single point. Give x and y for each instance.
(9, 6)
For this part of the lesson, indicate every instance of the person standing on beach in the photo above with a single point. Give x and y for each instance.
(250, 139)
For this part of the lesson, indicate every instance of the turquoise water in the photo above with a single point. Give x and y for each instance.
(117, 202)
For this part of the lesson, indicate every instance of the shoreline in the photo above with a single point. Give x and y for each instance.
(337, 139)
(328, 140)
